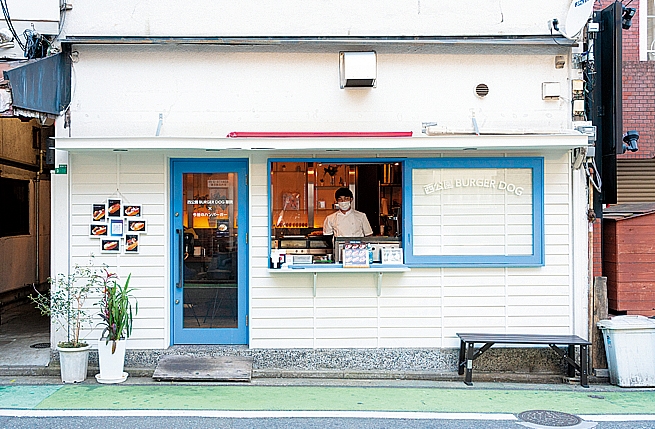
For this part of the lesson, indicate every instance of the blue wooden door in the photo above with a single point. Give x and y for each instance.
(209, 222)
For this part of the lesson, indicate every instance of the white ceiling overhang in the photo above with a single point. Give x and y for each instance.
(486, 142)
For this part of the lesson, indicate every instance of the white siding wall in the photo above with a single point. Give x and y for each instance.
(421, 308)
(467, 218)
(137, 179)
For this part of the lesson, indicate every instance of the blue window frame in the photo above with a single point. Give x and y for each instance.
(473, 212)
(517, 209)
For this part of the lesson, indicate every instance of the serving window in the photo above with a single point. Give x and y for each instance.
(302, 195)
(464, 212)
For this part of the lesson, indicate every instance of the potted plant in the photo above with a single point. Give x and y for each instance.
(116, 314)
(65, 306)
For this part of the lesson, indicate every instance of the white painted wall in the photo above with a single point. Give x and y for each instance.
(209, 92)
(301, 18)
(421, 308)
(137, 179)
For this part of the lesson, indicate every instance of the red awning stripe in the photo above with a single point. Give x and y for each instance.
(302, 134)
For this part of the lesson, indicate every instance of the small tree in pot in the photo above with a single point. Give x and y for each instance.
(117, 317)
(65, 306)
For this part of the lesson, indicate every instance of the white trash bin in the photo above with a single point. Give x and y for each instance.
(630, 350)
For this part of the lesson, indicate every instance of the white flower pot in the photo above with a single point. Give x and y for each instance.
(111, 364)
(74, 362)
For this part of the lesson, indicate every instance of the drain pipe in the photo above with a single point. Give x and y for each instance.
(37, 232)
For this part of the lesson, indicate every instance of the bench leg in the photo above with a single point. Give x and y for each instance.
(584, 356)
(462, 358)
(470, 349)
(571, 368)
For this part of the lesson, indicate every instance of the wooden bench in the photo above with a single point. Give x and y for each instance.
(467, 352)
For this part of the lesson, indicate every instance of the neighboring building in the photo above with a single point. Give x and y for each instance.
(25, 125)
(636, 170)
(25, 220)
(209, 142)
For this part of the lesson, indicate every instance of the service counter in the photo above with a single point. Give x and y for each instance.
(315, 269)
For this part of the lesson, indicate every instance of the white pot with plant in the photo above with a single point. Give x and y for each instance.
(116, 313)
(65, 306)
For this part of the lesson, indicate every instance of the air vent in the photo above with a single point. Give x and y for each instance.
(482, 90)
(357, 69)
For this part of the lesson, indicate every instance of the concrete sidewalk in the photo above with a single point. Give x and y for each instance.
(138, 393)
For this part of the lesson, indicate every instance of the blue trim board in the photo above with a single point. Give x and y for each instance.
(181, 335)
(536, 164)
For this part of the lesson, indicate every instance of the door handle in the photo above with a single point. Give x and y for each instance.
(180, 279)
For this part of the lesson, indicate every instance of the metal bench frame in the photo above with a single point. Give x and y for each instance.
(467, 352)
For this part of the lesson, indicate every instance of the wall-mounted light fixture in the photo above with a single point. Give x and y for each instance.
(358, 69)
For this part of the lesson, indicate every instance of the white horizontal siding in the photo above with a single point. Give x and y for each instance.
(136, 178)
(468, 222)
(425, 307)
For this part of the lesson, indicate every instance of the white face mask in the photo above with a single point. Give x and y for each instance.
(344, 205)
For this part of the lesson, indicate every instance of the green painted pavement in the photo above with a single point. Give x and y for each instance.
(295, 398)
(24, 396)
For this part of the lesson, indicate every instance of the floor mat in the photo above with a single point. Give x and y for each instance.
(201, 368)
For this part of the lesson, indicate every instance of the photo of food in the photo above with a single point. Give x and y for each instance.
(114, 207)
(131, 243)
(222, 229)
(98, 230)
(99, 212)
(110, 246)
(136, 226)
(131, 211)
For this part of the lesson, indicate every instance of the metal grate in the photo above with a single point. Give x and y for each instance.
(635, 180)
(482, 90)
(40, 346)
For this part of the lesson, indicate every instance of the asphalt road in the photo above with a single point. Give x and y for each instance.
(279, 423)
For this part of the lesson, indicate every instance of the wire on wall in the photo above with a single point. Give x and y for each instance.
(5, 12)
(592, 173)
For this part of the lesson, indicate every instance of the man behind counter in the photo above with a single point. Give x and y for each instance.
(346, 222)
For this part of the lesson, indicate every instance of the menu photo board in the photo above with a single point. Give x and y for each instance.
(355, 255)
(118, 226)
(392, 256)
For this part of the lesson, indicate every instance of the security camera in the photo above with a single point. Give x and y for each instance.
(626, 17)
(630, 141)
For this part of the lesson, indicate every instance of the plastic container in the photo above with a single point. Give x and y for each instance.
(630, 350)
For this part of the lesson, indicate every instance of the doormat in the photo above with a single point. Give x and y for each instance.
(201, 368)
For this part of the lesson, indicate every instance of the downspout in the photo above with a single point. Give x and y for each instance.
(37, 196)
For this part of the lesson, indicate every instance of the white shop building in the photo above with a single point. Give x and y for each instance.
(223, 136)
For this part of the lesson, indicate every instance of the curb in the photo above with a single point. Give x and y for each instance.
(53, 370)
